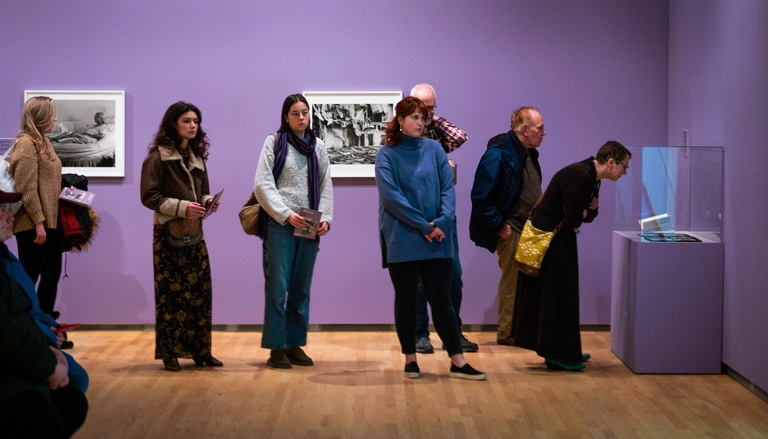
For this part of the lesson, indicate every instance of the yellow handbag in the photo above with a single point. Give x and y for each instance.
(532, 247)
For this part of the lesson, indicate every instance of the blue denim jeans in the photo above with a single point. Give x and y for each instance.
(422, 317)
(289, 262)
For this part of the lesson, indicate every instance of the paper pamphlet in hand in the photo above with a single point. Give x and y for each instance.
(83, 198)
(216, 198)
(313, 218)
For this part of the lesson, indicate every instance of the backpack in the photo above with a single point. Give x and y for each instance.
(77, 224)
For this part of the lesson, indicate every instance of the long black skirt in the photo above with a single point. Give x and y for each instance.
(183, 299)
(546, 314)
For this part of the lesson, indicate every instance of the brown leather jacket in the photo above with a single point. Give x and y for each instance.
(167, 185)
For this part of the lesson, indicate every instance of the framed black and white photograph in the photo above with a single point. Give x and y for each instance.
(89, 136)
(352, 125)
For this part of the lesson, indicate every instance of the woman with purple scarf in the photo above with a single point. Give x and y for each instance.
(293, 172)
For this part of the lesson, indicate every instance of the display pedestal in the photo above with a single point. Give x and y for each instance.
(667, 304)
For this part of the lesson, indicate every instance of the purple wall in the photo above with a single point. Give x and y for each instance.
(717, 90)
(597, 69)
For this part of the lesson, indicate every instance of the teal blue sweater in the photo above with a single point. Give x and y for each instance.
(415, 185)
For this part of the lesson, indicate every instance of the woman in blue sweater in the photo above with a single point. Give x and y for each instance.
(416, 212)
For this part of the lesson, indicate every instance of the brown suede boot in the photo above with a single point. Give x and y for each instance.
(298, 357)
(278, 359)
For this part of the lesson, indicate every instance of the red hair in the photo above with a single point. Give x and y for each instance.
(404, 108)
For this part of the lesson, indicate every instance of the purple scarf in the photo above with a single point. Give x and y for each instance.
(306, 147)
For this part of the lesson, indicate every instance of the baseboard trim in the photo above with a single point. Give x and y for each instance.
(318, 328)
(747, 383)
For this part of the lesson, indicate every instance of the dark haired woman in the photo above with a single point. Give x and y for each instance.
(174, 184)
(37, 173)
(416, 214)
(546, 314)
(293, 172)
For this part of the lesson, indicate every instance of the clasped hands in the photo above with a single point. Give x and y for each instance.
(436, 233)
(592, 206)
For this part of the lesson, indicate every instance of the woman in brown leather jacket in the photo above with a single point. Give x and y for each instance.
(174, 184)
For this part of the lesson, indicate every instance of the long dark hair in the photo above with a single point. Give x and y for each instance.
(287, 104)
(404, 108)
(167, 135)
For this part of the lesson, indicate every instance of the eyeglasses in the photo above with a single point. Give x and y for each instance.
(432, 108)
(625, 165)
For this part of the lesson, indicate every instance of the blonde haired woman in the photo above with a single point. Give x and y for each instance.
(36, 171)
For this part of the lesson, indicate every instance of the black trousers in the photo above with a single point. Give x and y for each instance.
(43, 262)
(436, 276)
(31, 414)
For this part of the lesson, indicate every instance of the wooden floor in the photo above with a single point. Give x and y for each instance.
(356, 390)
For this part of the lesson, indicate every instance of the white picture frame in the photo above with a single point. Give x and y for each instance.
(89, 136)
(352, 124)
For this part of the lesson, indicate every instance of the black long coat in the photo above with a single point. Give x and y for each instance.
(546, 314)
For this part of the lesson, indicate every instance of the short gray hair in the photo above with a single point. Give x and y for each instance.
(423, 85)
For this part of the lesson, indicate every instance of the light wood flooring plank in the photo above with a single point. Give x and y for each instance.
(356, 390)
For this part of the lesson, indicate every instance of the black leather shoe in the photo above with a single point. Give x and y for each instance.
(509, 341)
(171, 364)
(208, 360)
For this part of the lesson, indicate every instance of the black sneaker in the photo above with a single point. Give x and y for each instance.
(467, 372)
(66, 344)
(509, 341)
(412, 370)
(466, 345)
(424, 346)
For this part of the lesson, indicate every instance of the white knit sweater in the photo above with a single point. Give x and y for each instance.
(290, 193)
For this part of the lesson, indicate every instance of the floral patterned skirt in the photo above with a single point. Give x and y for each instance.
(183, 299)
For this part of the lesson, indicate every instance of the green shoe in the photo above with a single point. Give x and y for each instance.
(570, 366)
(585, 358)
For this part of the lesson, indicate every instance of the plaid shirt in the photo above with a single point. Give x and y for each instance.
(446, 134)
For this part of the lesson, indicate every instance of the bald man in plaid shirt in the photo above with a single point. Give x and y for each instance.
(451, 138)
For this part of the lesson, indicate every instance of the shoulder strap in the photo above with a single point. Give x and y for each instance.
(5, 154)
(536, 204)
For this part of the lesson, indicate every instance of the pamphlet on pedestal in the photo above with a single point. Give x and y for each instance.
(658, 223)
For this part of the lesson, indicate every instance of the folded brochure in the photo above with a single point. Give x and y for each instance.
(77, 196)
(313, 218)
(209, 210)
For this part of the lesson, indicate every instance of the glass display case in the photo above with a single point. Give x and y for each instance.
(667, 261)
(672, 194)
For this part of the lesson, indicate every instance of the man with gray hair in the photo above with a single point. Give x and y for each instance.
(451, 138)
(507, 184)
